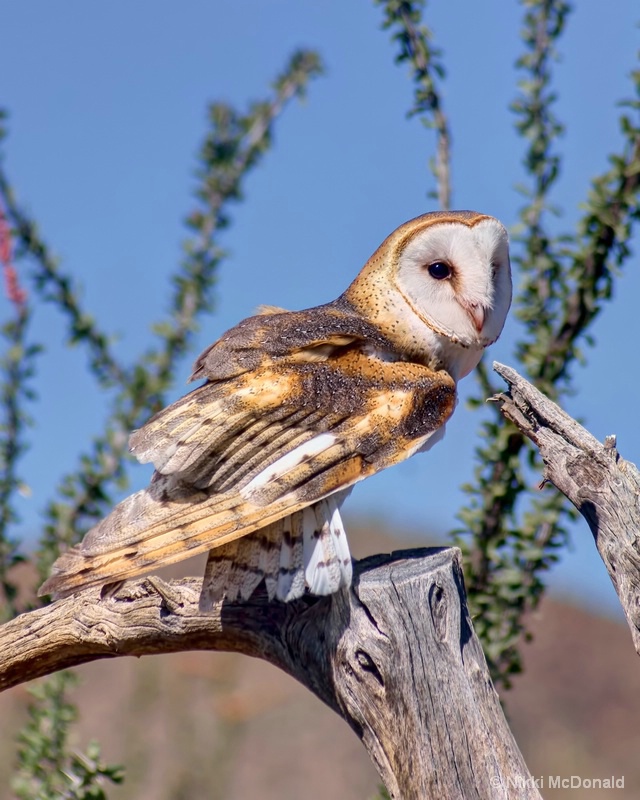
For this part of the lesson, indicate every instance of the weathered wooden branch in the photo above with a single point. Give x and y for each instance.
(601, 485)
(395, 656)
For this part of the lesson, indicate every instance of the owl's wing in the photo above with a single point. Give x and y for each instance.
(241, 452)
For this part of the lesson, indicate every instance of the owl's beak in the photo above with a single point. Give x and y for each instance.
(477, 313)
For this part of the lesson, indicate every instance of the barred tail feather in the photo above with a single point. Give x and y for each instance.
(235, 570)
(290, 584)
(306, 550)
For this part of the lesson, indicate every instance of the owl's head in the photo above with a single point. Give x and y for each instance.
(443, 280)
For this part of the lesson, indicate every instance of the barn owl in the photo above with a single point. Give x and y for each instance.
(298, 406)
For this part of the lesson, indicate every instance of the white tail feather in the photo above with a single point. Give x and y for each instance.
(326, 550)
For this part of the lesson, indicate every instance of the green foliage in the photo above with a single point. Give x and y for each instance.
(16, 370)
(17, 365)
(48, 768)
(414, 40)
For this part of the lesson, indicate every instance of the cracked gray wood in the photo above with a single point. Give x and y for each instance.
(601, 485)
(395, 656)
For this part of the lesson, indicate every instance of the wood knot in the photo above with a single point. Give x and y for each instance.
(438, 607)
(367, 664)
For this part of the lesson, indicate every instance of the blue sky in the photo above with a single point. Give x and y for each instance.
(107, 105)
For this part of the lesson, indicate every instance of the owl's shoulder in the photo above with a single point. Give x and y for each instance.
(274, 335)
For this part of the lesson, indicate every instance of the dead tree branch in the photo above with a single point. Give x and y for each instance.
(601, 485)
(396, 657)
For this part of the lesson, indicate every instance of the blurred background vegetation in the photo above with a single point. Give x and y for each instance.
(509, 533)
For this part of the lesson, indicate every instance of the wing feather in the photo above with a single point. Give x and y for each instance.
(238, 454)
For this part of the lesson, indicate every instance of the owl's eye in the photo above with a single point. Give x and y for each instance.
(439, 270)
